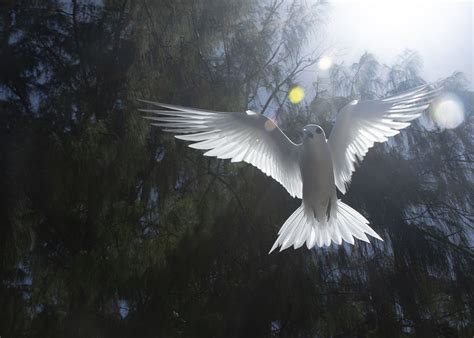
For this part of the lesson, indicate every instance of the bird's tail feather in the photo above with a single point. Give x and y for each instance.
(303, 227)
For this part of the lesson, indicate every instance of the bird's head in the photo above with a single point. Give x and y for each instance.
(313, 132)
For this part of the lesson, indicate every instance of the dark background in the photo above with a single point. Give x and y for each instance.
(111, 228)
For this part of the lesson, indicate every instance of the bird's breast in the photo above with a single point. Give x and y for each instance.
(317, 173)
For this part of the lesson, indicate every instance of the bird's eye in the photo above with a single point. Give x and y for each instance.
(319, 130)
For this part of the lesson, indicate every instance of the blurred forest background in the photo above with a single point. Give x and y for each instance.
(110, 228)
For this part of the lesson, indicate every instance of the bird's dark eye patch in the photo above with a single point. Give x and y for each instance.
(319, 130)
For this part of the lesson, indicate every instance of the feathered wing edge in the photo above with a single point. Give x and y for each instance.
(248, 137)
(301, 227)
(368, 128)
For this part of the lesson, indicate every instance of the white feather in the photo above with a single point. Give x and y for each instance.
(359, 125)
(237, 136)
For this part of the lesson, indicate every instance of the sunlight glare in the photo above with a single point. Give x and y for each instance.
(296, 94)
(448, 112)
(325, 63)
(440, 31)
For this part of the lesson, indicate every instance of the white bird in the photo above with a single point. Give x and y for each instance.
(311, 170)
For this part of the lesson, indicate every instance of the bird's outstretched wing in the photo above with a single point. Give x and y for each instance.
(245, 136)
(360, 124)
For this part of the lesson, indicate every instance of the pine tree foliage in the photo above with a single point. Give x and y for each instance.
(112, 228)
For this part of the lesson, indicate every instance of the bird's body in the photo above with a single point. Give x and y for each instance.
(321, 218)
(311, 170)
(317, 175)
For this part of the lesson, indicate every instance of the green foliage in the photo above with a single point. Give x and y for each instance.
(112, 228)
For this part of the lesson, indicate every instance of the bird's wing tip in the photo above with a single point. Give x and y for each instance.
(155, 103)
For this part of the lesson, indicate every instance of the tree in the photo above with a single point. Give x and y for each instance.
(111, 228)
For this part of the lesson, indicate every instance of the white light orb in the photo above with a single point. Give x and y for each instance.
(448, 111)
(325, 63)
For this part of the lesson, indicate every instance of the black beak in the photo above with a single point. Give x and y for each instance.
(307, 133)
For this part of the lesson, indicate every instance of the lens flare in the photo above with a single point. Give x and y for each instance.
(325, 63)
(448, 111)
(269, 125)
(296, 94)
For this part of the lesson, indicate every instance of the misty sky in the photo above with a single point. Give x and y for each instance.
(441, 31)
